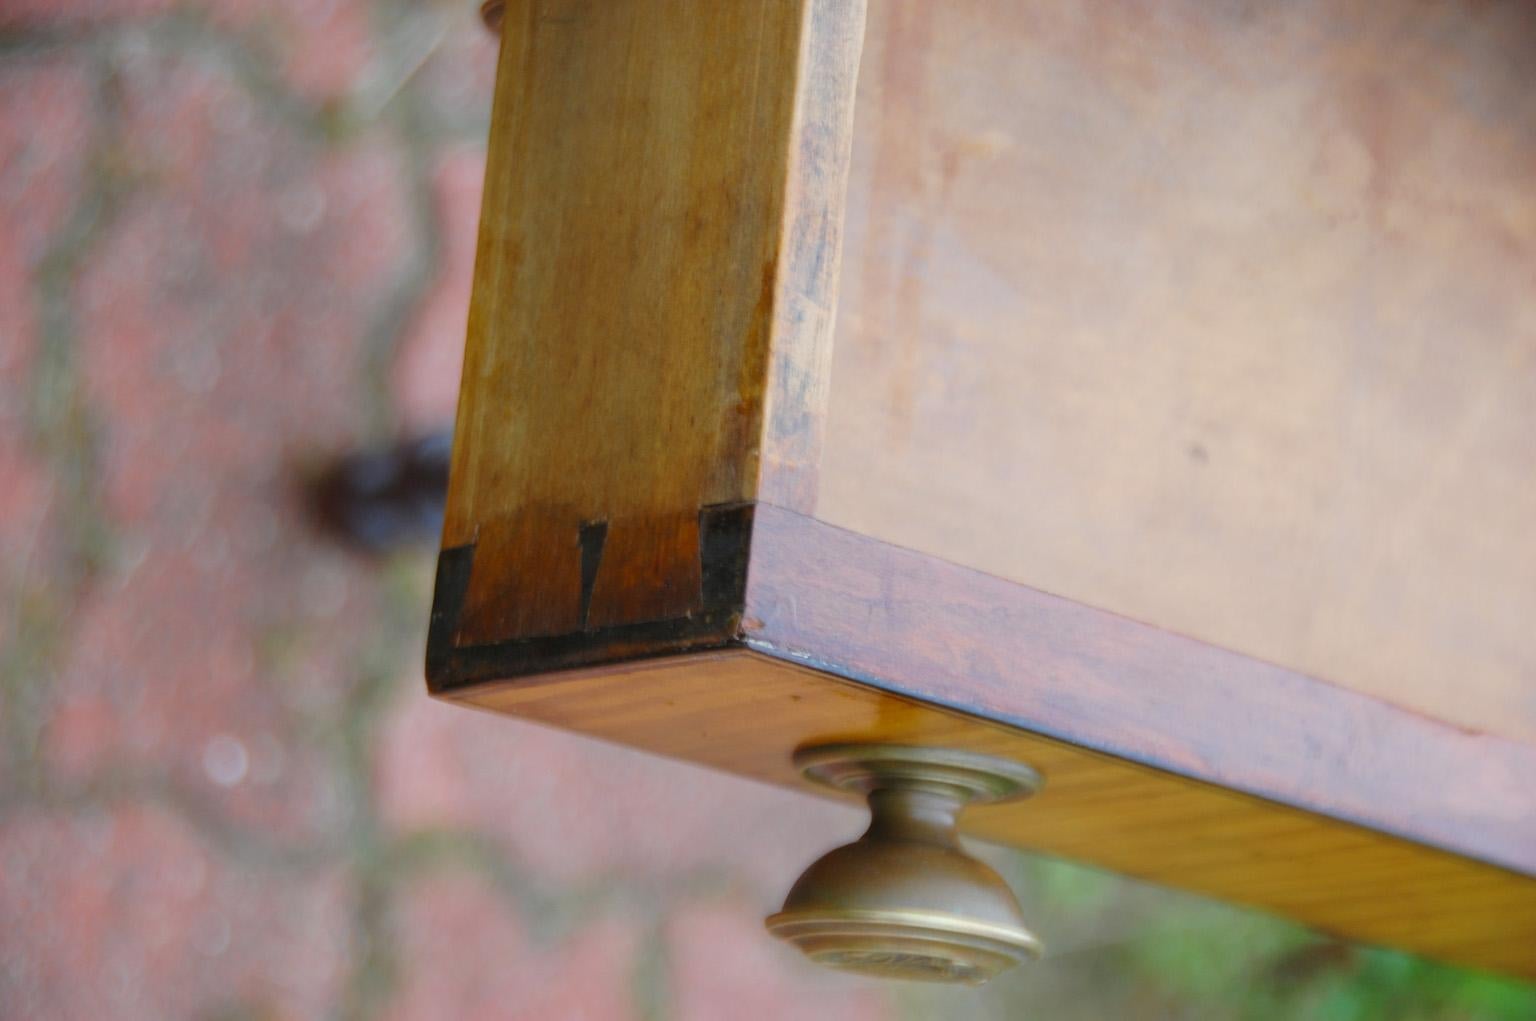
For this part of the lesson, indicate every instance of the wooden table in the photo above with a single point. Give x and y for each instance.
(1146, 392)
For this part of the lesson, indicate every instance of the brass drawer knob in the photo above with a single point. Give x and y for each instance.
(905, 900)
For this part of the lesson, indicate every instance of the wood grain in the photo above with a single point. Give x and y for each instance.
(657, 249)
(1214, 319)
(745, 713)
(1217, 316)
(951, 636)
(810, 258)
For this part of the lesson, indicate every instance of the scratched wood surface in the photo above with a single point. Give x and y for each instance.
(652, 299)
(1220, 316)
(743, 712)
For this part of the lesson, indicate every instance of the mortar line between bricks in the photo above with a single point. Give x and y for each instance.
(376, 969)
(62, 433)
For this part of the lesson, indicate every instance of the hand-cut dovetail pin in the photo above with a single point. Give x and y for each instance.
(905, 900)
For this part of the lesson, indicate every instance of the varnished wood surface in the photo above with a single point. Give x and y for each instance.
(952, 636)
(1117, 324)
(1222, 317)
(657, 250)
(745, 713)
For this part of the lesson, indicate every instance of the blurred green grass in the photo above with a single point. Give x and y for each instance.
(1118, 948)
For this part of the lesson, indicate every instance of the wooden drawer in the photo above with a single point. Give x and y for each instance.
(1144, 392)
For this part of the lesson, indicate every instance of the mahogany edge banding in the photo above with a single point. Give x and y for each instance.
(932, 630)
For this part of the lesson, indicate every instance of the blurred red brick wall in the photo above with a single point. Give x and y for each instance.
(236, 238)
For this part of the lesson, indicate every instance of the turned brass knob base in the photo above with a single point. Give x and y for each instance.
(905, 900)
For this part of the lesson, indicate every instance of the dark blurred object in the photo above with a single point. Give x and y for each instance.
(385, 498)
(491, 12)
